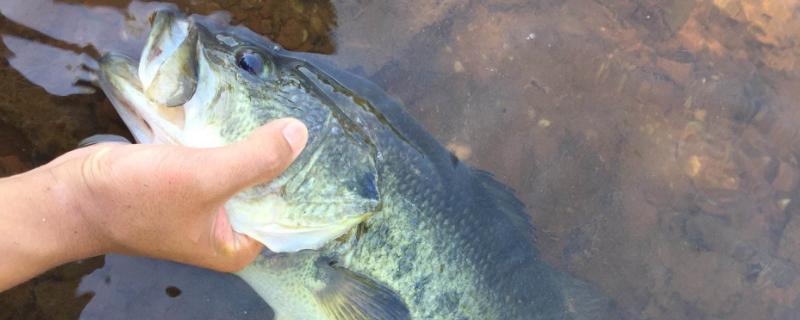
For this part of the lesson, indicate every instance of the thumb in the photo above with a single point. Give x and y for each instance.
(261, 157)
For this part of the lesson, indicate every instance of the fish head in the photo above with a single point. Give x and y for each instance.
(201, 83)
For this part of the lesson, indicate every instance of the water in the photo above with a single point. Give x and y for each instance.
(655, 144)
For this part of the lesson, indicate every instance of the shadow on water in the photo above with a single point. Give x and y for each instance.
(654, 143)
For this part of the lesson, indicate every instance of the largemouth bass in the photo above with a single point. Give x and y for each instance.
(375, 219)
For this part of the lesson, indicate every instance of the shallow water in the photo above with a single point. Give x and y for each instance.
(655, 144)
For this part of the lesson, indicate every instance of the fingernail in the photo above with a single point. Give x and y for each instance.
(296, 135)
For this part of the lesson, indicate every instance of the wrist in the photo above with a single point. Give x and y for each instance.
(73, 210)
(51, 228)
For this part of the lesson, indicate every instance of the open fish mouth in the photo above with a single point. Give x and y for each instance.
(151, 96)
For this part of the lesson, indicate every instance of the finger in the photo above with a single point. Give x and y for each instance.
(233, 250)
(264, 155)
(230, 261)
(218, 248)
(246, 251)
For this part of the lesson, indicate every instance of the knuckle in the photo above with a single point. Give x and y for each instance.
(232, 267)
(239, 262)
(96, 167)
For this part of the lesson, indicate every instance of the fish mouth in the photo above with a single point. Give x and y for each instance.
(150, 95)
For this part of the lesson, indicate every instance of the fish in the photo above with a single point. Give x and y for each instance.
(375, 219)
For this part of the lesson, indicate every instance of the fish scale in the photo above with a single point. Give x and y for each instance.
(374, 219)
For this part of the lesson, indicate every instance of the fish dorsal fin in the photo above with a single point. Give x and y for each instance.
(351, 296)
(505, 201)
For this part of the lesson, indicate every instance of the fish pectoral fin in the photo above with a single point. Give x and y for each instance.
(350, 296)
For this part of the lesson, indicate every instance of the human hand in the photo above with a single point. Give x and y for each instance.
(159, 201)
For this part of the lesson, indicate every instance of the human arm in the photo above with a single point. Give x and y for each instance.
(159, 201)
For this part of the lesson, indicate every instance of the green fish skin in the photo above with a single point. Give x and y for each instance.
(375, 219)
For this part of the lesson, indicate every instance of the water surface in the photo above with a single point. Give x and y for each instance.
(654, 143)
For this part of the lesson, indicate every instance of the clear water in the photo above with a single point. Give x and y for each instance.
(655, 143)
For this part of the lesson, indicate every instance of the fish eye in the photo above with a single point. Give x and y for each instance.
(251, 61)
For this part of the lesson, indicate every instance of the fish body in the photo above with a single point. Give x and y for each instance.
(375, 219)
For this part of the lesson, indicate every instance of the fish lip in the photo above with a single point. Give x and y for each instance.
(167, 30)
(121, 78)
(168, 64)
(144, 118)
(113, 69)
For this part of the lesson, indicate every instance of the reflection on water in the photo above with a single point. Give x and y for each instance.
(654, 144)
